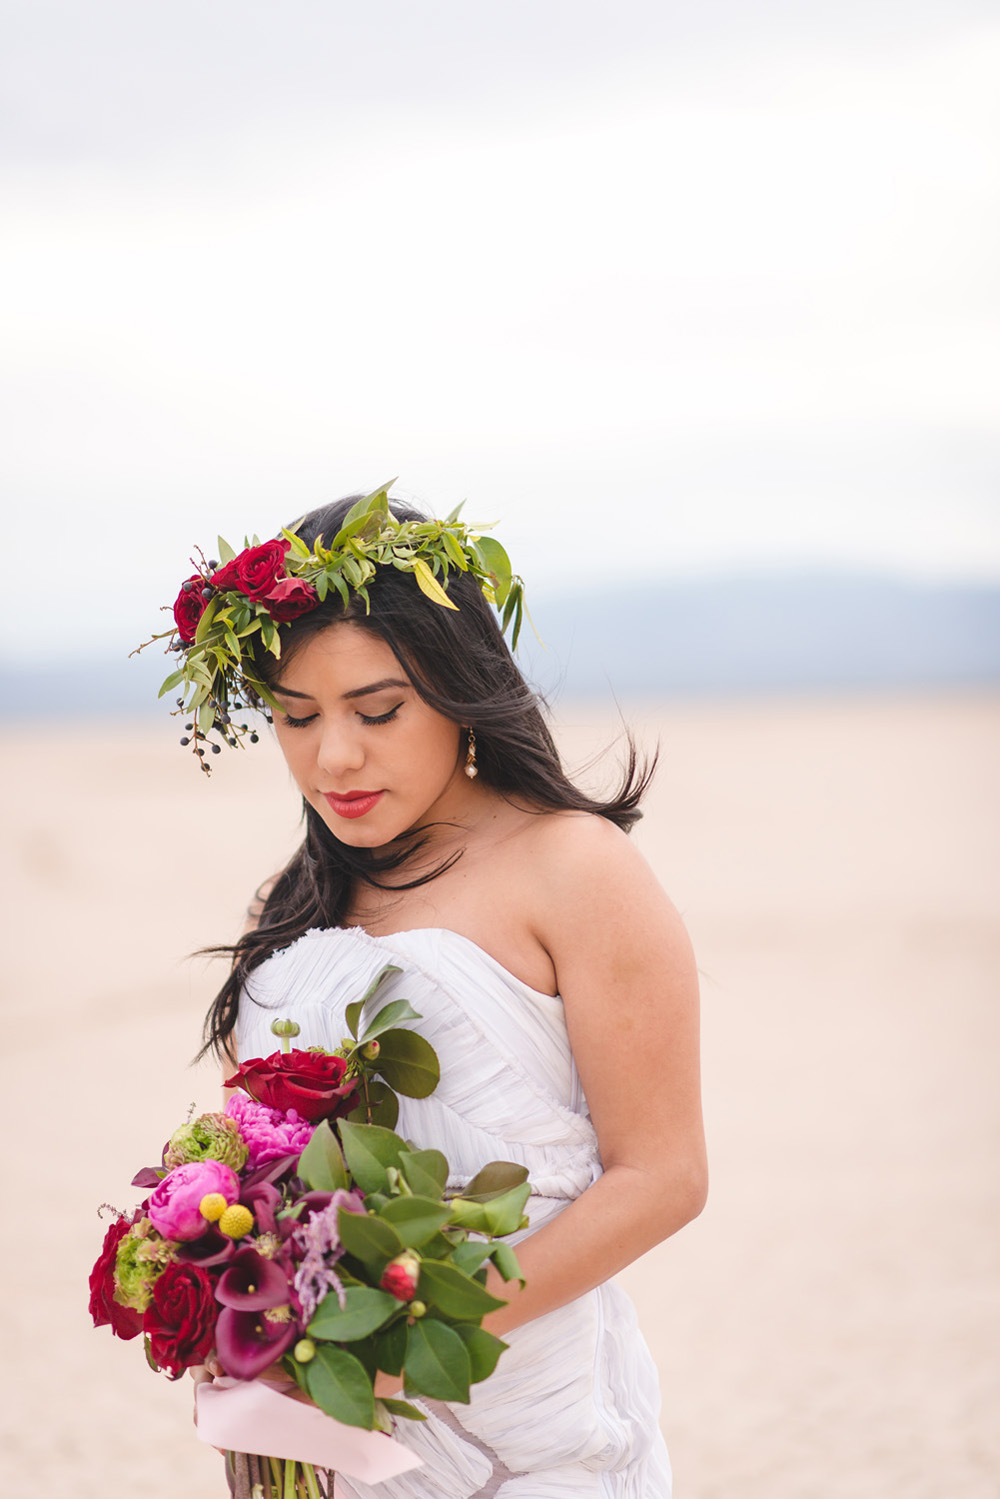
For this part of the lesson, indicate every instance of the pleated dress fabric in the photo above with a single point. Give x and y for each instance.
(572, 1409)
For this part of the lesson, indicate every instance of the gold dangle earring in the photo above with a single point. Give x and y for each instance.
(471, 769)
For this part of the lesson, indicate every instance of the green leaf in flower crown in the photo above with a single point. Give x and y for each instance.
(353, 1011)
(429, 585)
(364, 1310)
(383, 1103)
(456, 1294)
(415, 1219)
(493, 1180)
(506, 1262)
(483, 1349)
(226, 552)
(496, 562)
(437, 1361)
(369, 1240)
(390, 1015)
(426, 1171)
(321, 1164)
(368, 1150)
(297, 545)
(504, 1214)
(469, 1256)
(408, 1063)
(402, 1408)
(171, 681)
(339, 1385)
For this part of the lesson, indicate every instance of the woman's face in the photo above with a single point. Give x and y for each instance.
(364, 748)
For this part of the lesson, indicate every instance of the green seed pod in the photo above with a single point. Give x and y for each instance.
(305, 1349)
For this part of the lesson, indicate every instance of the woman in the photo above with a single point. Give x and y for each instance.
(553, 977)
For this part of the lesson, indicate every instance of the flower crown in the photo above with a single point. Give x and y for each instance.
(227, 603)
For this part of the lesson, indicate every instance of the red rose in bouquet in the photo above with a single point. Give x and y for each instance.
(189, 606)
(310, 1082)
(255, 571)
(105, 1310)
(181, 1320)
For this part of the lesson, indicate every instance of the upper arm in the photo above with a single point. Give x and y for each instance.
(628, 980)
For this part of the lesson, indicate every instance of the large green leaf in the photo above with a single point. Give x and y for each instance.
(389, 1345)
(402, 1408)
(321, 1164)
(426, 1171)
(382, 1102)
(369, 1240)
(339, 1385)
(483, 1349)
(415, 1219)
(364, 1310)
(437, 1361)
(353, 1011)
(504, 1214)
(368, 1150)
(506, 1262)
(469, 1215)
(469, 1256)
(457, 1295)
(493, 1180)
(390, 1015)
(408, 1063)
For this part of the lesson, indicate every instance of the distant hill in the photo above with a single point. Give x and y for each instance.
(780, 633)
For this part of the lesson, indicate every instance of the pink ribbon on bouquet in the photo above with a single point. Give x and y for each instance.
(250, 1415)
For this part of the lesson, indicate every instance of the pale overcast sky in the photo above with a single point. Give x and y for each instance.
(663, 288)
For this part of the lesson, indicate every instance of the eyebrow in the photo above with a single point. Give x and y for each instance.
(355, 692)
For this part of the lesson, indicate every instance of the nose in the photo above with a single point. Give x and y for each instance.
(341, 753)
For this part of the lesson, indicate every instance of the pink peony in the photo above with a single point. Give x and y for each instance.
(269, 1133)
(174, 1207)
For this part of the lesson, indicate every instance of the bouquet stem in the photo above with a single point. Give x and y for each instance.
(252, 1477)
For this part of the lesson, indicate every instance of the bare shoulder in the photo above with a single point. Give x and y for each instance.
(589, 881)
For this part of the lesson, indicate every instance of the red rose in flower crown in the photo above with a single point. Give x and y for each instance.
(254, 572)
(289, 598)
(310, 1082)
(105, 1310)
(189, 606)
(180, 1322)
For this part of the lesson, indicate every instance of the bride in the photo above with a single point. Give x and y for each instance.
(553, 975)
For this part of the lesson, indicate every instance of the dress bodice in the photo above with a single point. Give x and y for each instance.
(509, 1087)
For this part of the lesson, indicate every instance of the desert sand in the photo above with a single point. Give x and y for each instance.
(829, 1326)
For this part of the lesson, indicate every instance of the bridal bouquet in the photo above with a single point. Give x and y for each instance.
(297, 1229)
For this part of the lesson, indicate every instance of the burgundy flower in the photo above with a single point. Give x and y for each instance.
(289, 598)
(189, 606)
(263, 1200)
(255, 571)
(180, 1321)
(310, 1082)
(250, 1283)
(246, 1342)
(105, 1310)
(211, 1250)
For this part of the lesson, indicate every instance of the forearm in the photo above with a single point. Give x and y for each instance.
(623, 1215)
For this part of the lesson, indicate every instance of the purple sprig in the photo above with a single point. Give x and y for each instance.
(319, 1239)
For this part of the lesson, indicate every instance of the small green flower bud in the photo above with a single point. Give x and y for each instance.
(417, 1308)
(284, 1028)
(371, 1050)
(305, 1349)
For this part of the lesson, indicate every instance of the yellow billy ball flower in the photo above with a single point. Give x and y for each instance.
(212, 1206)
(236, 1221)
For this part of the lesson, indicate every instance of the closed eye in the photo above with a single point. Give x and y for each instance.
(299, 723)
(381, 717)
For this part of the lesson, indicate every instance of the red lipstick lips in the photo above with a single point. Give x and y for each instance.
(353, 803)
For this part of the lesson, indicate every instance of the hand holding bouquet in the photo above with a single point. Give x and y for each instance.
(297, 1226)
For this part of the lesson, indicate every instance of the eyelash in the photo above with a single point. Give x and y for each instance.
(300, 723)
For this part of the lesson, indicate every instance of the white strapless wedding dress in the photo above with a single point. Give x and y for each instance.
(572, 1408)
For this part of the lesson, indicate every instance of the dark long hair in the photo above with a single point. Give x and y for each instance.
(458, 662)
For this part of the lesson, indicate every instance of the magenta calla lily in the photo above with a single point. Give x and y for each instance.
(213, 1248)
(251, 1283)
(246, 1342)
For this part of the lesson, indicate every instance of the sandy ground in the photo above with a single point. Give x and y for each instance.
(830, 1326)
